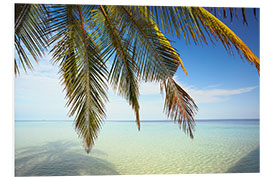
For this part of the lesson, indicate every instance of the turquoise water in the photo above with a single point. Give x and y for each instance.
(53, 149)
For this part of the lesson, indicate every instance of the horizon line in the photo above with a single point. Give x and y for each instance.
(50, 120)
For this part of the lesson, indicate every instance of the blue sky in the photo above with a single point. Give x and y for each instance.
(223, 86)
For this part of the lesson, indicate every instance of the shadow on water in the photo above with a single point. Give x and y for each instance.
(248, 164)
(58, 159)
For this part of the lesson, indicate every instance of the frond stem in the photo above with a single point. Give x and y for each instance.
(86, 67)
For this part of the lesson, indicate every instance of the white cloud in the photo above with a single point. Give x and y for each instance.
(215, 95)
(209, 94)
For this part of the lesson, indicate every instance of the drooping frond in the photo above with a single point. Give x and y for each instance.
(156, 58)
(31, 36)
(64, 30)
(123, 72)
(179, 106)
(83, 72)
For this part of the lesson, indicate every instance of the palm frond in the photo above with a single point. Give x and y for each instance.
(31, 35)
(179, 106)
(83, 72)
(156, 58)
(123, 71)
(150, 54)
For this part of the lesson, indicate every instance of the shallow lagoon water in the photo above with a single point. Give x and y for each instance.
(219, 146)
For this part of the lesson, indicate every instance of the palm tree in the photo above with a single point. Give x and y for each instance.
(82, 38)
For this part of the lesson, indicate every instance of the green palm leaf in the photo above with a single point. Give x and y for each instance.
(83, 72)
(31, 36)
(122, 74)
(157, 58)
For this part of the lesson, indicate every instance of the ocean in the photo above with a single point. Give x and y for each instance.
(52, 148)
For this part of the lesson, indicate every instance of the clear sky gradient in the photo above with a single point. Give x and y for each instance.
(223, 86)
